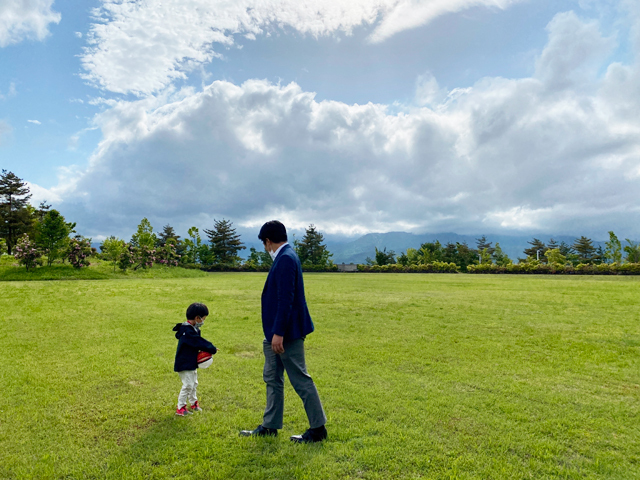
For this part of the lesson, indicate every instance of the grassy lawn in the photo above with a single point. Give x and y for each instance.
(422, 376)
(10, 270)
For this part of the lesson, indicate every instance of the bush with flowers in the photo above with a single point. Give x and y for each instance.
(127, 257)
(166, 255)
(145, 256)
(79, 251)
(27, 253)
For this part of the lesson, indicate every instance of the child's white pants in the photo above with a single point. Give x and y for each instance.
(189, 385)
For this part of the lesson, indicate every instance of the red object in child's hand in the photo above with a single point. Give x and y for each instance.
(204, 359)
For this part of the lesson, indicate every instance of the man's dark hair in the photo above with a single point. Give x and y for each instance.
(274, 231)
(197, 310)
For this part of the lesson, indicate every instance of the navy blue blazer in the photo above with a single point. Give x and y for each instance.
(284, 307)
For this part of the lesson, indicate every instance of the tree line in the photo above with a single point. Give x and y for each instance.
(42, 235)
(582, 251)
(36, 236)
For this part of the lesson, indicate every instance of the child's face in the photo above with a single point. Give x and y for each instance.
(201, 320)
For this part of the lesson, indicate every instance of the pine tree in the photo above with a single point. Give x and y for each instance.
(552, 244)
(311, 249)
(225, 242)
(15, 218)
(585, 250)
(565, 249)
(167, 233)
(536, 245)
(482, 243)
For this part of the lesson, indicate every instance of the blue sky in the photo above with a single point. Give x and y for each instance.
(473, 116)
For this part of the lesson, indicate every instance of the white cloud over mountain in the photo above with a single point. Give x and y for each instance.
(25, 19)
(141, 47)
(557, 152)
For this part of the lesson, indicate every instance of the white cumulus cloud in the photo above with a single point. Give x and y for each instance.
(35, 122)
(141, 47)
(524, 154)
(25, 19)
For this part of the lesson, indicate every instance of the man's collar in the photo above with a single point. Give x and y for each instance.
(279, 248)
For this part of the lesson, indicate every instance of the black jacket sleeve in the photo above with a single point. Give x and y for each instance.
(196, 341)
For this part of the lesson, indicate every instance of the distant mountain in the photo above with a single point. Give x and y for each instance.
(358, 250)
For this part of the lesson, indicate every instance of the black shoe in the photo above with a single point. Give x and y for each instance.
(259, 432)
(312, 435)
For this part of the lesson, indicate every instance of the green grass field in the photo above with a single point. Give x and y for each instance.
(10, 270)
(422, 376)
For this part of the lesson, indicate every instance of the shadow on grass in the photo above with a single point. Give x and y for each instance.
(201, 446)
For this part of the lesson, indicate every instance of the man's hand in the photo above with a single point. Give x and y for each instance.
(276, 344)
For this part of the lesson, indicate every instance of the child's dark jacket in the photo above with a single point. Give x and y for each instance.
(189, 344)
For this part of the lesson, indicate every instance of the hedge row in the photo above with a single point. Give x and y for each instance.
(558, 269)
(435, 267)
(257, 268)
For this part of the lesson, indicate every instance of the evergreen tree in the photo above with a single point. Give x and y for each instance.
(465, 256)
(460, 254)
(167, 233)
(311, 249)
(259, 259)
(552, 244)
(585, 250)
(430, 252)
(225, 243)
(42, 210)
(15, 218)
(144, 236)
(52, 234)
(482, 243)
(385, 258)
(565, 249)
(500, 257)
(536, 246)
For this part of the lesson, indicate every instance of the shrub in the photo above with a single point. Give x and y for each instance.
(433, 267)
(320, 268)
(27, 253)
(145, 257)
(127, 257)
(79, 251)
(167, 255)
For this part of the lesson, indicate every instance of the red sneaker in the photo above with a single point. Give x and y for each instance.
(196, 407)
(183, 412)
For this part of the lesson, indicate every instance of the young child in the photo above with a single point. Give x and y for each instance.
(189, 344)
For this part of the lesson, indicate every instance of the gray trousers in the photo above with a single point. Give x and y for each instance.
(291, 361)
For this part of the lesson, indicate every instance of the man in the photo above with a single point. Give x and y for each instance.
(286, 322)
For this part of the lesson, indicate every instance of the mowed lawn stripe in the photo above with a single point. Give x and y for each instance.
(422, 376)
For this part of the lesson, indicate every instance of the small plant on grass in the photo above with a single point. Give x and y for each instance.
(27, 253)
(79, 251)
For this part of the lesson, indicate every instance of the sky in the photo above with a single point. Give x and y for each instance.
(466, 116)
